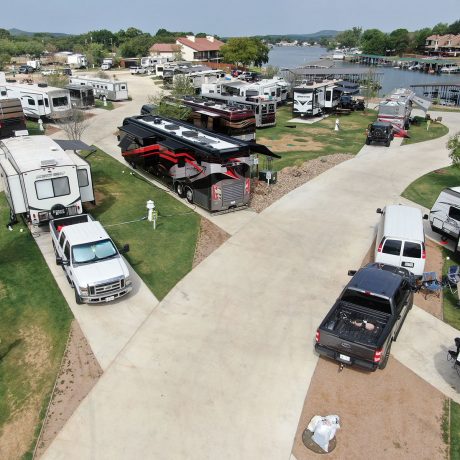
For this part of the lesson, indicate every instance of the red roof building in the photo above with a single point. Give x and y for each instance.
(200, 49)
(443, 45)
(167, 50)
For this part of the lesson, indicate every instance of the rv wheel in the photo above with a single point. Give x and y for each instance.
(180, 189)
(189, 194)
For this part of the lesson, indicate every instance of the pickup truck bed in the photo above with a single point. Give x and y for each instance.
(57, 225)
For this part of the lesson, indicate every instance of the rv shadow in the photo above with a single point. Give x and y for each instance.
(103, 204)
(445, 368)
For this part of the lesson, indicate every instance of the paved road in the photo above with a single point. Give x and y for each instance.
(221, 367)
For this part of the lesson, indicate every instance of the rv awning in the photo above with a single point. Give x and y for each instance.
(74, 145)
(209, 114)
(263, 150)
(424, 104)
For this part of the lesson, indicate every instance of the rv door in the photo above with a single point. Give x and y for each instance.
(85, 183)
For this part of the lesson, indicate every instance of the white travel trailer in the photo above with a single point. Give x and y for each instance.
(445, 213)
(150, 61)
(273, 89)
(309, 99)
(113, 90)
(401, 238)
(77, 61)
(38, 100)
(41, 180)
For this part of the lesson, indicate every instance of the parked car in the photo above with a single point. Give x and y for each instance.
(137, 70)
(380, 131)
(106, 66)
(236, 73)
(26, 69)
(249, 76)
(367, 317)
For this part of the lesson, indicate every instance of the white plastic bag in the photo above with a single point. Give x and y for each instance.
(324, 429)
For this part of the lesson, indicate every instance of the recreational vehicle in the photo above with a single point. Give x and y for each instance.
(150, 61)
(41, 180)
(222, 118)
(11, 118)
(273, 89)
(445, 213)
(309, 99)
(397, 107)
(81, 96)
(113, 90)
(77, 61)
(209, 169)
(38, 100)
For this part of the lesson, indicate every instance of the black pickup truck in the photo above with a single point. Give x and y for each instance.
(367, 317)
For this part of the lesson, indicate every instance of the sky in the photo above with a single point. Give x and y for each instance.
(226, 17)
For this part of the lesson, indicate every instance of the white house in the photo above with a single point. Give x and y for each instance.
(200, 49)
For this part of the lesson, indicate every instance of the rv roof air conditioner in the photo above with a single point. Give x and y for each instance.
(42, 85)
(172, 127)
(48, 163)
(190, 134)
(157, 121)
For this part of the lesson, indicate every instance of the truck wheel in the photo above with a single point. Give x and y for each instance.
(388, 142)
(78, 299)
(368, 142)
(383, 364)
(180, 189)
(189, 194)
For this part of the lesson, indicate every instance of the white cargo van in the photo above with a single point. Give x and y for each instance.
(401, 239)
(445, 213)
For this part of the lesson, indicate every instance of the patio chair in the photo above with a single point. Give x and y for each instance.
(453, 355)
(431, 284)
(453, 278)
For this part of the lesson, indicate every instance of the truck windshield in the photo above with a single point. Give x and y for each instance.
(93, 252)
(366, 300)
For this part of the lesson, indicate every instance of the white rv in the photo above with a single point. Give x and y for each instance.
(309, 99)
(113, 90)
(150, 61)
(78, 61)
(274, 89)
(38, 100)
(401, 239)
(445, 213)
(41, 180)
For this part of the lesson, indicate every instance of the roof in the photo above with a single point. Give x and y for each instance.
(28, 152)
(25, 87)
(164, 48)
(201, 44)
(403, 222)
(85, 232)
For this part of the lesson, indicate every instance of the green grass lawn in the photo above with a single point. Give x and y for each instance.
(451, 311)
(306, 141)
(161, 257)
(419, 133)
(426, 189)
(34, 326)
(100, 105)
(454, 431)
(32, 127)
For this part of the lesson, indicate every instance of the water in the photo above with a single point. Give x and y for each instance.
(296, 56)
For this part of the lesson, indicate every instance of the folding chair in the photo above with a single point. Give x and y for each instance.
(453, 355)
(452, 278)
(431, 284)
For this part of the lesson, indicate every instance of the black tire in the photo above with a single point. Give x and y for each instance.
(388, 143)
(368, 142)
(383, 363)
(78, 299)
(179, 187)
(189, 194)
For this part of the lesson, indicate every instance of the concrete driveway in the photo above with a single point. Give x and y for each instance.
(221, 367)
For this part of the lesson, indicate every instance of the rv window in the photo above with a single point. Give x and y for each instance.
(392, 247)
(30, 101)
(60, 101)
(454, 213)
(328, 95)
(82, 175)
(40, 102)
(3, 93)
(412, 250)
(50, 188)
(271, 108)
(47, 104)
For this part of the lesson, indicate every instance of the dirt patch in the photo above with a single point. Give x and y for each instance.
(292, 177)
(288, 144)
(210, 238)
(51, 129)
(381, 413)
(79, 373)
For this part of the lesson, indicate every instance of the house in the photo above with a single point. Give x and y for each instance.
(164, 50)
(443, 45)
(200, 49)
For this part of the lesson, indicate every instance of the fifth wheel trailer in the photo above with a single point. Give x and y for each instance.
(43, 181)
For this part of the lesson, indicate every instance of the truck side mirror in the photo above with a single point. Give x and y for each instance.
(425, 216)
(124, 249)
(61, 261)
(379, 211)
(352, 272)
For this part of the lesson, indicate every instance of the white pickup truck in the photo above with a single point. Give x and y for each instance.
(92, 263)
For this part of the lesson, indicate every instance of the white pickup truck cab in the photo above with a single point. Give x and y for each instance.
(92, 263)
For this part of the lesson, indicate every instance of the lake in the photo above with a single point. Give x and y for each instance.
(296, 56)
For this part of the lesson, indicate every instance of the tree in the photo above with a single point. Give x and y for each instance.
(95, 53)
(399, 41)
(245, 51)
(75, 125)
(271, 71)
(454, 28)
(453, 144)
(350, 38)
(374, 41)
(419, 38)
(4, 34)
(137, 46)
(440, 29)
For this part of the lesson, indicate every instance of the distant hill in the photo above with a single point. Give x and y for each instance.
(299, 37)
(18, 33)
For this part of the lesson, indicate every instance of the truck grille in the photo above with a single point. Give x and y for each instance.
(107, 287)
(233, 193)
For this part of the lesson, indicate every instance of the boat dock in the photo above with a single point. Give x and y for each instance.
(443, 93)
